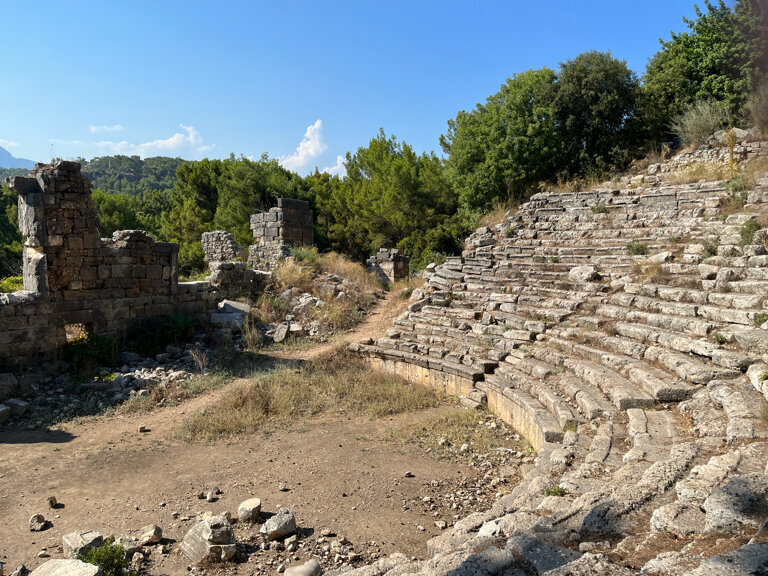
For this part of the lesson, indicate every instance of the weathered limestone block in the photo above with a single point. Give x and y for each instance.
(66, 567)
(757, 374)
(211, 539)
(75, 543)
(8, 386)
(249, 510)
(741, 501)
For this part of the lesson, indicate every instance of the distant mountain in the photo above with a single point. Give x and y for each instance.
(7, 160)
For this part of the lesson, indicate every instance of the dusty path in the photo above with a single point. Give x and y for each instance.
(343, 474)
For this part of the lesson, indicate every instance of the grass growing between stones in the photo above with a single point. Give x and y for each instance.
(444, 435)
(335, 382)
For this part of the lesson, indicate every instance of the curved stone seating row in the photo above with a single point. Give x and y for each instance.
(630, 385)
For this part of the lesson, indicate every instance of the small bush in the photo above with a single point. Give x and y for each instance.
(110, 557)
(719, 339)
(11, 284)
(307, 255)
(555, 491)
(710, 248)
(699, 122)
(748, 231)
(599, 209)
(637, 249)
(510, 232)
(761, 318)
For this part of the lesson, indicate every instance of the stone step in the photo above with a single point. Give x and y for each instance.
(521, 411)
(547, 396)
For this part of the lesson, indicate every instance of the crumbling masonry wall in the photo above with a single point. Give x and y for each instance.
(389, 265)
(288, 224)
(72, 276)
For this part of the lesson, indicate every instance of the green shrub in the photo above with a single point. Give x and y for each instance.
(555, 491)
(637, 249)
(748, 231)
(718, 338)
(110, 557)
(307, 255)
(599, 209)
(90, 351)
(710, 249)
(11, 284)
(761, 318)
(699, 122)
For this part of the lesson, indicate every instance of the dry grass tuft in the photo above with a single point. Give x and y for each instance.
(337, 381)
(289, 274)
(444, 434)
(700, 171)
(334, 263)
(497, 213)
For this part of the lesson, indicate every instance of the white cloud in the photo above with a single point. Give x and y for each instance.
(103, 128)
(189, 144)
(339, 169)
(310, 147)
(8, 143)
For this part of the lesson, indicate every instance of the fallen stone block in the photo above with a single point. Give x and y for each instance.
(5, 413)
(211, 540)
(151, 534)
(66, 567)
(18, 407)
(249, 510)
(281, 524)
(76, 543)
(310, 568)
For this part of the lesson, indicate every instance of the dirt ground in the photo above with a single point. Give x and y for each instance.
(343, 475)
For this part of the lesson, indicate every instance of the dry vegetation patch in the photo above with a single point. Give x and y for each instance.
(335, 382)
(464, 434)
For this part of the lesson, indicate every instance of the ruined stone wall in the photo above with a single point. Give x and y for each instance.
(72, 276)
(287, 224)
(389, 265)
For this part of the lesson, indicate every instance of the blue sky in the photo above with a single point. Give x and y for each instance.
(304, 81)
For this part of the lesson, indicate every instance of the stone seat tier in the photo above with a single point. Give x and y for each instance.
(622, 392)
(521, 410)
(548, 396)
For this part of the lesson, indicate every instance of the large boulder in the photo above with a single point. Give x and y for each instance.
(211, 540)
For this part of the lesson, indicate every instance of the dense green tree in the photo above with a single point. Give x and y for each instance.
(390, 197)
(116, 212)
(721, 58)
(10, 237)
(503, 148)
(222, 194)
(595, 109)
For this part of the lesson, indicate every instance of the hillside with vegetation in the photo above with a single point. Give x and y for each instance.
(585, 122)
